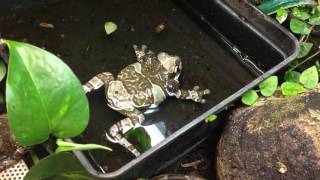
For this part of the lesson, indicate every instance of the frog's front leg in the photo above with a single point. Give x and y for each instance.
(98, 81)
(143, 53)
(133, 120)
(195, 94)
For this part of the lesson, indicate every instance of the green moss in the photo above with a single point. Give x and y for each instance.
(279, 110)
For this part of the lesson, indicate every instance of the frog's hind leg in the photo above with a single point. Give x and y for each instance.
(133, 120)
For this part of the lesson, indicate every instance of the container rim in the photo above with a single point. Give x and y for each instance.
(215, 109)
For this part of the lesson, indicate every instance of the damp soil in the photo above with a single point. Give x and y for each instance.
(77, 36)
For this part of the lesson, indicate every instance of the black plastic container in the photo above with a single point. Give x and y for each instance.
(260, 45)
(227, 46)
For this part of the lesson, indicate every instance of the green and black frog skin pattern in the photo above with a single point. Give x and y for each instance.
(142, 85)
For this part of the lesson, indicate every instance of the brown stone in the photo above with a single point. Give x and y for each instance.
(277, 138)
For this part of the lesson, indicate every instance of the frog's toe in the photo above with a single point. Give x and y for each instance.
(135, 47)
(196, 88)
(202, 101)
(144, 47)
(206, 91)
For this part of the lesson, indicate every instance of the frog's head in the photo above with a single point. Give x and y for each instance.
(171, 65)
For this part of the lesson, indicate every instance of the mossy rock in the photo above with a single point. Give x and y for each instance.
(10, 152)
(277, 138)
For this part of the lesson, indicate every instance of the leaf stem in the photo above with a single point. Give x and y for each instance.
(34, 157)
(307, 59)
(302, 38)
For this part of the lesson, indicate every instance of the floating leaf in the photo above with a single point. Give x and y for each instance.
(110, 27)
(43, 96)
(281, 15)
(211, 118)
(305, 48)
(299, 27)
(269, 86)
(69, 146)
(291, 88)
(292, 76)
(301, 13)
(62, 166)
(3, 70)
(249, 98)
(310, 77)
(139, 137)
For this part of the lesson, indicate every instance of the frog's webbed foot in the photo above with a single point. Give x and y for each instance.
(116, 131)
(196, 94)
(143, 53)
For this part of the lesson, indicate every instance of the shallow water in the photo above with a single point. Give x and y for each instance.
(78, 37)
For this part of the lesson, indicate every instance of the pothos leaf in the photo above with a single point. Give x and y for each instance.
(58, 166)
(43, 96)
(69, 146)
(292, 76)
(318, 66)
(269, 86)
(3, 70)
(310, 77)
(315, 18)
(299, 27)
(305, 48)
(249, 98)
(281, 15)
(301, 13)
(291, 88)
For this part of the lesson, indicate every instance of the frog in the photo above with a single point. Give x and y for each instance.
(140, 86)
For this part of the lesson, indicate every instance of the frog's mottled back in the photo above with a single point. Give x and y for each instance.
(143, 84)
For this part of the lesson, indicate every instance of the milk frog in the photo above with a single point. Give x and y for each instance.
(139, 86)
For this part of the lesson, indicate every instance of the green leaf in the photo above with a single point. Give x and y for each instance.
(58, 166)
(211, 118)
(69, 146)
(315, 10)
(292, 76)
(299, 27)
(43, 96)
(269, 86)
(315, 19)
(291, 88)
(249, 98)
(318, 66)
(294, 63)
(271, 6)
(281, 15)
(139, 137)
(301, 13)
(3, 70)
(305, 48)
(110, 27)
(310, 77)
